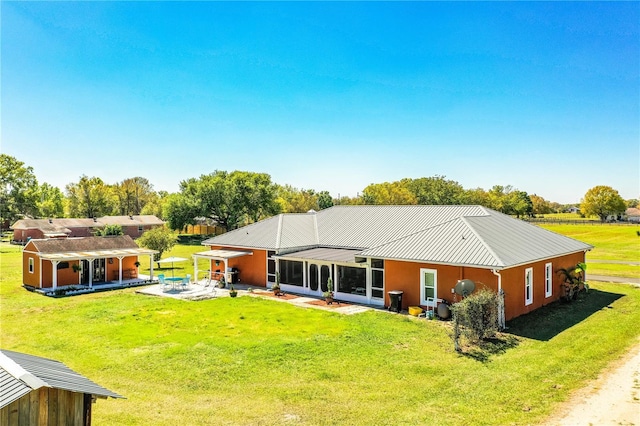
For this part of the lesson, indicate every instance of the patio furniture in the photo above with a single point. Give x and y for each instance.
(185, 281)
(162, 281)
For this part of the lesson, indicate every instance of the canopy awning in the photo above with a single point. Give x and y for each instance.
(221, 254)
(97, 254)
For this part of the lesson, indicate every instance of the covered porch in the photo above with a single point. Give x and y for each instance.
(218, 265)
(91, 268)
(355, 279)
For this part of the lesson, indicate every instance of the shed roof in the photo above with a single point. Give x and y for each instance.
(461, 235)
(65, 223)
(21, 373)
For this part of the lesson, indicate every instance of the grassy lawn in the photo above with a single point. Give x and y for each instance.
(612, 242)
(255, 361)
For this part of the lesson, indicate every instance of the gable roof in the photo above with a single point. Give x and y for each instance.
(86, 248)
(83, 244)
(21, 373)
(460, 235)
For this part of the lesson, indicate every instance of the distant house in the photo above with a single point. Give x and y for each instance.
(422, 251)
(54, 262)
(632, 214)
(573, 209)
(133, 226)
(41, 391)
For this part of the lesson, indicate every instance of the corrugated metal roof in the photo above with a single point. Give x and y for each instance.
(324, 254)
(11, 388)
(421, 233)
(84, 244)
(54, 374)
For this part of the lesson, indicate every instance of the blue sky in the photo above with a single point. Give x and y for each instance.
(329, 96)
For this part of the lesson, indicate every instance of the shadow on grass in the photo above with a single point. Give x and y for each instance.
(485, 349)
(551, 320)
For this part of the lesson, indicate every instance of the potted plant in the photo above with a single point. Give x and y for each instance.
(137, 264)
(328, 295)
(76, 267)
(221, 282)
(232, 291)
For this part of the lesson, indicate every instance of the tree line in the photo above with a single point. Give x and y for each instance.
(234, 199)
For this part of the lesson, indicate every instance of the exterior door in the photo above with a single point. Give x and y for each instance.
(99, 270)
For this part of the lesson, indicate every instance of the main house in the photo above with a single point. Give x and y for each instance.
(49, 263)
(422, 251)
(31, 229)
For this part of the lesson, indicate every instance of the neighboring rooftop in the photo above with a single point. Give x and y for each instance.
(60, 224)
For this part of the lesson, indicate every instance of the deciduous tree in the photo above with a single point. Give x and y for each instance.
(18, 190)
(50, 201)
(133, 194)
(435, 190)
(160, 238)
(388, 193)
(90, 197)
(602, 201)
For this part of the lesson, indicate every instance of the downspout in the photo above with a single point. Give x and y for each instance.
(501, 316)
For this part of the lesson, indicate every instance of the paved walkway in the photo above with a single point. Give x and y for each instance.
(591, 277)
(202, 291)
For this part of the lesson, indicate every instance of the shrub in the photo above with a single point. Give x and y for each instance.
(476, 316)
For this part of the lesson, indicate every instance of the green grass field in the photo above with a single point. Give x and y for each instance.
(611, 242)
(255, 361)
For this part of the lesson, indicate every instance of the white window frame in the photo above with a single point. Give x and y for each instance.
(548, 280)
(31, 265)
(528, 285)
(423, 299)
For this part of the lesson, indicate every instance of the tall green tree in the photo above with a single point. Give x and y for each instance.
(90, 197)
(50, 201)
(230, 199)
(388, 193)
(540, 205)
(109, 229)
(294, 200)
(18, 190)
(436, 190)
(324, 200)
(602, 201)
(155, 204)
(133, 194)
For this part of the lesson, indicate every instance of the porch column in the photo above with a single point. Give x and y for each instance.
(150, 266)
(195, 269)
(40, 273)
(224, 272)
(90, 272)
(120, 269)
(54, 272)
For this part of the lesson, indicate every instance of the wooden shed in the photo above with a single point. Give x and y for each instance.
(41, 391)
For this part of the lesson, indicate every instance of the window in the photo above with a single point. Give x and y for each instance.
(324, 278)
(31, 265)
(377, 278)
(271, 267)
(63, 265)
(548, 280)
(352, 280)
(291, 272)
(428, 286)
(528, 286)
(313, 277)
(140, 229)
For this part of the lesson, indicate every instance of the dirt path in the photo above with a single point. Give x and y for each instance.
(612, 399)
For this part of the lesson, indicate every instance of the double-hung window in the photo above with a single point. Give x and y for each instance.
(528, 286)
(548, 280)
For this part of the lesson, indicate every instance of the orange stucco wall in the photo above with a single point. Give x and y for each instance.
(405, 276)
(68, 276)
(252, 268)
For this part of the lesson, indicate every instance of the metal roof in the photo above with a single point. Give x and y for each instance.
(88, 247)
(221, 254)
(462, 235)
(33, 372)
(324, 254)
